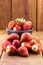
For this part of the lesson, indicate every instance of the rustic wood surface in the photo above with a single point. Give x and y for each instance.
(32, 59)
(29, 9)
(5, 13)
(39, 15)
(11, 9)
(26, 9)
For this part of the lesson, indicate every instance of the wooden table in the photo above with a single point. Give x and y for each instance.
(32, 59)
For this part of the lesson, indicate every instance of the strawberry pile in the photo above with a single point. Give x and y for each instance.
(23, 46)
(19, 24)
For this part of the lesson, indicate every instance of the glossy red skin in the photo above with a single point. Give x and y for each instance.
(27, 45)
(12, 36)
(12, 50)
(39, 49)
(17, 28)
(25, 37)
(34, 41)
(37, 40)
(29, 22)
(11, 24)
(19, 23)
(23, 51)
(27, 25)
(16, 43)
(5, 43)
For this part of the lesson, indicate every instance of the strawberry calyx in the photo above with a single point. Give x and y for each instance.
(20, 20)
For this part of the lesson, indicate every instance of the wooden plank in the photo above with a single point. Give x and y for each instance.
(34, 34)
(40, 34)
(18, 60)
(32, 63)
(29, 58)
(40, 15)
(25, 9)
(0, 51)
(3, 36)
(41, 39)
(5, 13)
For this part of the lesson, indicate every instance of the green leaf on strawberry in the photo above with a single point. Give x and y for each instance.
(20, 20)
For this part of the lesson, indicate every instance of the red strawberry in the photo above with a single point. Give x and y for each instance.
(13, 36)
(37, 40)
(36, 48)
(10, 49)
(5, 43)
(16, 28)
(19, 23)
(34, 41)
(27, 25)
(26, 44)
(23, 51)
(25, 37)
(16, 43)
(30, 24)
(11, 24)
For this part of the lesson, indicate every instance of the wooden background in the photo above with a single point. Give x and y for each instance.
(29, 9)
(40, 15)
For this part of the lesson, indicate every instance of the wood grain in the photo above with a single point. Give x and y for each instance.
(41, 39)
(17, 60)
(5, 13)
(3, 36)
(29, 9)
(40, 15)
(25, 9)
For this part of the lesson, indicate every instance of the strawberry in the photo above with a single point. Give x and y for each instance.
(34, 41)
(13, 36)
(30, 24)
(5, 43)
(36, 48)
(10, 49)
(26, 44)
(16, 43)
(23, 51)
(37, 40)
(11, 24)
(27, 25)
(16, 28)
(25, 37)
(20, 21)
